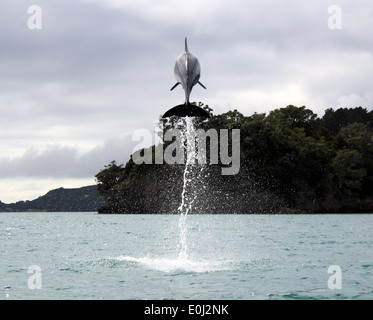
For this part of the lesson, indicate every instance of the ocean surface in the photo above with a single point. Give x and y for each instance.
(91, 256)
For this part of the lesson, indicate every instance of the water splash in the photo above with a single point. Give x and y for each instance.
(172, 265)
(188, 194)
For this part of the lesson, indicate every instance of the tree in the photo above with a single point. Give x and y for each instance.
(334, 121)
(109, 178)
(356, 137)
(348, 173)
(292, 117)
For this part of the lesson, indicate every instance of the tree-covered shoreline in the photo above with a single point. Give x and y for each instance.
(291, 161)
(83, 199)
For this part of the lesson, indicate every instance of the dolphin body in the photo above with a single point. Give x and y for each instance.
(187, 73)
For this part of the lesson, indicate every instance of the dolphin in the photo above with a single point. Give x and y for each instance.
(187, 73)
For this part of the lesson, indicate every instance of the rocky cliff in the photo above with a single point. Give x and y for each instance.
(158, 189)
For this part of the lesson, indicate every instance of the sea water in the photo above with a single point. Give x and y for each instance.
(92, 256)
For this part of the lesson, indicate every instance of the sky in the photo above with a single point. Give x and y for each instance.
(78, 77)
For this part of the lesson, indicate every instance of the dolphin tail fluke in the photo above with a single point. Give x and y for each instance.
(186, 110)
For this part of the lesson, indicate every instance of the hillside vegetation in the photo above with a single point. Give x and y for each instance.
(291, 161)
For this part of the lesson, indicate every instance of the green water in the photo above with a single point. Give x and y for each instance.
(91, 256)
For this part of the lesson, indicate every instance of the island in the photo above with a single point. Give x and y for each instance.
(291, 161)
(84, 199)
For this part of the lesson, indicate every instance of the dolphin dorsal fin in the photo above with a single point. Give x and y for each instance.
(186, 44)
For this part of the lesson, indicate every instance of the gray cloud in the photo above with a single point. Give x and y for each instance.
(67, 161)
(98, 70)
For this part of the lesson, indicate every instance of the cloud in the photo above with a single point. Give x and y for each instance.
(353, 100)
(72, 93)
(60, 161)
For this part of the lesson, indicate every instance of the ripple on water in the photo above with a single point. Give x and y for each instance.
(169, 265)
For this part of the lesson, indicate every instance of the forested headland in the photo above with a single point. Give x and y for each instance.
(84, 199)
(292, 161)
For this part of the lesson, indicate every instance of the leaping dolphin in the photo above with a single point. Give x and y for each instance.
(187, 73)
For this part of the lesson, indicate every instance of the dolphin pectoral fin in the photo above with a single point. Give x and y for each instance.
(176, 84)
(186, 110)
(201, 85)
